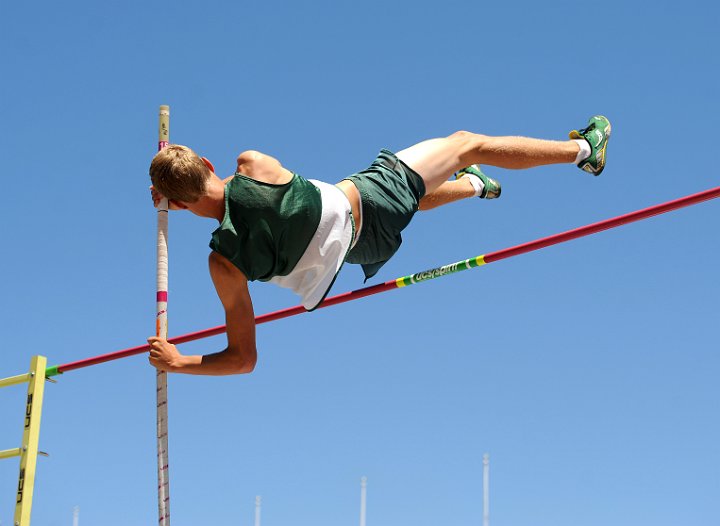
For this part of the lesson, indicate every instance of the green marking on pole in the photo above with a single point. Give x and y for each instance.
(404, 281)
(438, 272)
(52, 371)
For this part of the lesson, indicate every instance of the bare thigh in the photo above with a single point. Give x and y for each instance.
(435, 160)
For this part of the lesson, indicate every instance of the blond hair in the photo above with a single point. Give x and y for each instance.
(179, 173)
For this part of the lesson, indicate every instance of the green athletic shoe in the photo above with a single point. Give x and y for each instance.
(597, 135)
(491, 188)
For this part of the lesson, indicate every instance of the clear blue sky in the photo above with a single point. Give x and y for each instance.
(588, 371)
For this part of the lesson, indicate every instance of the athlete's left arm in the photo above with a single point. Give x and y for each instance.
(240, 355)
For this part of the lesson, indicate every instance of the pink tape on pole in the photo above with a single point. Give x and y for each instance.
(162, 295)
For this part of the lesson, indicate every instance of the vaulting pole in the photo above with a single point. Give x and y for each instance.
(405, 281)
(161, 330)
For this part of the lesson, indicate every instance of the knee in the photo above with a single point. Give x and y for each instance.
(468, 142)
(461, 135)
(467, 137)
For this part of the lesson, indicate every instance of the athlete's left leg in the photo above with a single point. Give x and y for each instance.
(437, 159)
(447, 192)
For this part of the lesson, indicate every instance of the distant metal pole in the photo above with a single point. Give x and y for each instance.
(363, 500)
(258, 502)
(486, 490)
(76, 516)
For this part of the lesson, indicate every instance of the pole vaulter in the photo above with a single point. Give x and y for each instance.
(405, 281)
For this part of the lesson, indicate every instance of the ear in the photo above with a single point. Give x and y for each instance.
(176, 205)
(208, 164)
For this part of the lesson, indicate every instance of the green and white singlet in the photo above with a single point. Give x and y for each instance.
(296, 235)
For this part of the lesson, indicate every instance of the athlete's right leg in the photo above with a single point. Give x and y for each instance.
(437, 159)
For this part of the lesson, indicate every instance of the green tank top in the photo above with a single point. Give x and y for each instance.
(267, 227)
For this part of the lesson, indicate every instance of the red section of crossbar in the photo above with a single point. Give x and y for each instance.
(214, 331)
(375, 289)
(603, 225)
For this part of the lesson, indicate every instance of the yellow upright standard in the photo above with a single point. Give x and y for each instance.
(28, 451)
